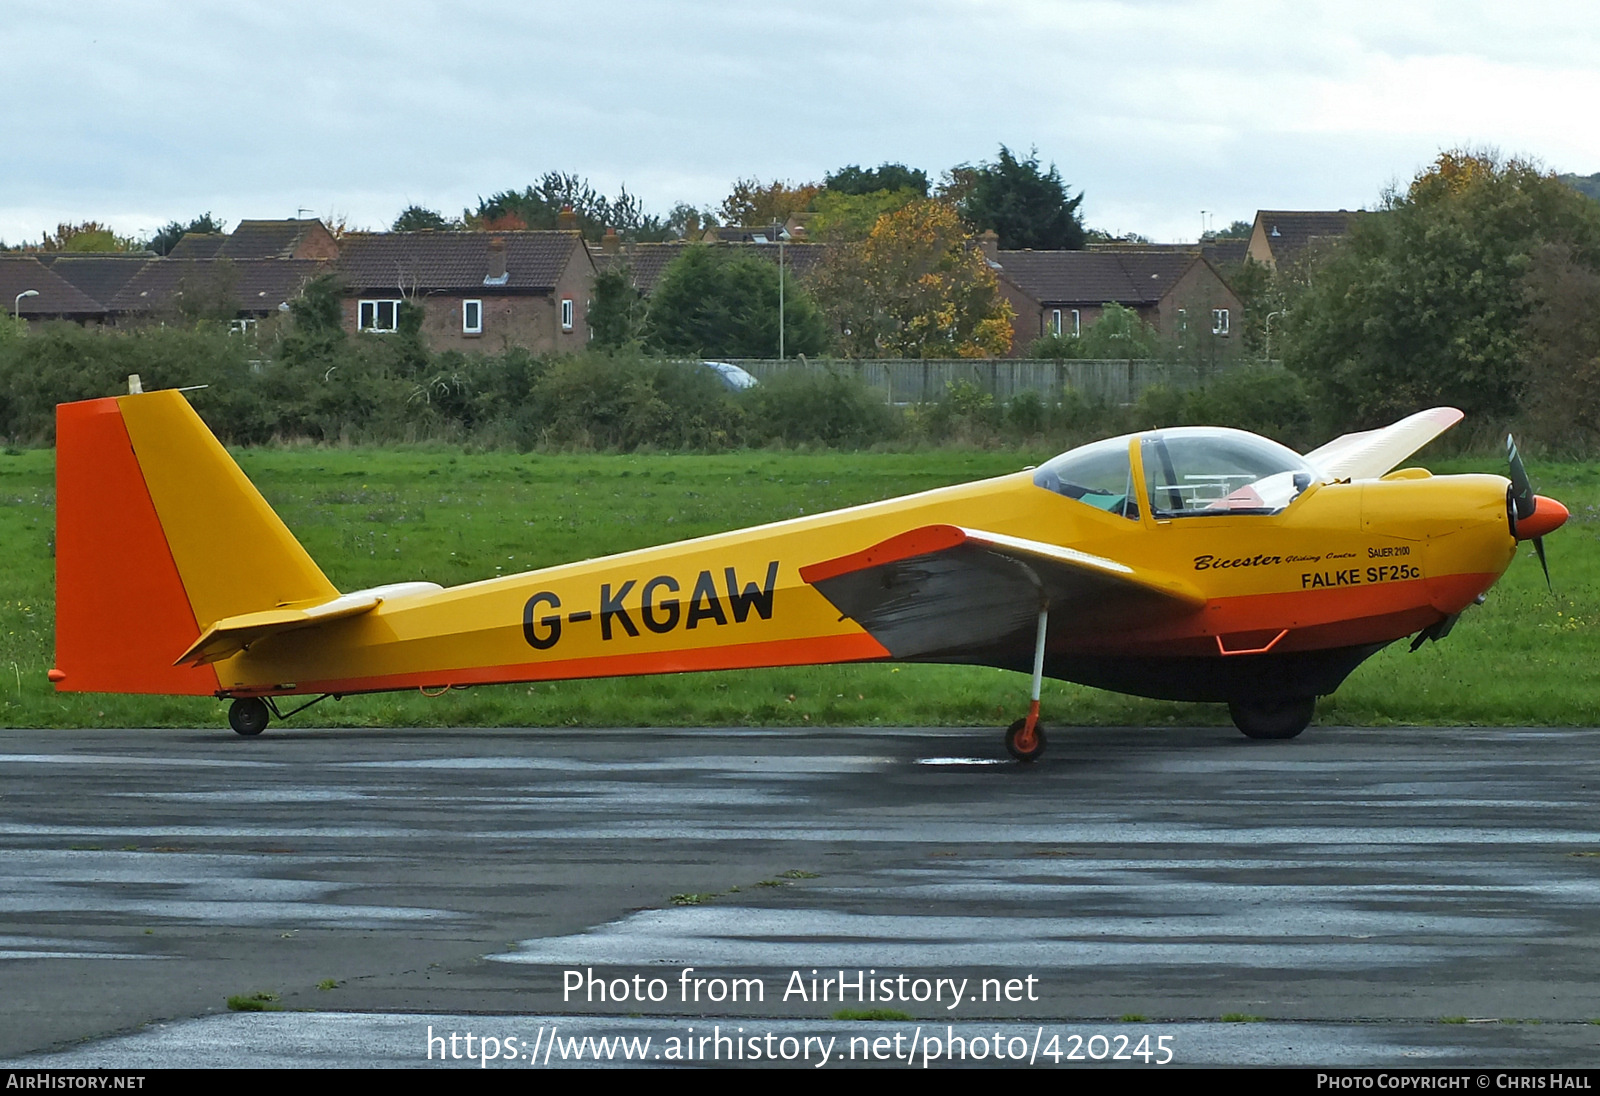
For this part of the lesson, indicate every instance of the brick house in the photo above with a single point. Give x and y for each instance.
(51, 297)
(261, 240)
(1064, 292)
(1280, 237)
(478, 291)
(244, 291)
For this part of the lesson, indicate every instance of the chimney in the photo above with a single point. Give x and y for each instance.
(989, 244)
(610, 243)
(566, 220)
(497, 262)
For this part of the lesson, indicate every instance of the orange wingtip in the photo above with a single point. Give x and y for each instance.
(914, 542)
(56, 675)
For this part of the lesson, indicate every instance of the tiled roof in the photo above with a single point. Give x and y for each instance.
(101, 277)
(57, 297)
(1289, 231)
(198, 245)
(1128, 277)
(1221, 253)
(259, 285)
(433, 261)
(649, 261)
(250, 240)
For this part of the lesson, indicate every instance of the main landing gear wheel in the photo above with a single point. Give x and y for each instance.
(249, 715)
(1273, 718)
(1024, 751)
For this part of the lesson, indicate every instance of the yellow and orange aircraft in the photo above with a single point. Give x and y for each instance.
(1197, 564)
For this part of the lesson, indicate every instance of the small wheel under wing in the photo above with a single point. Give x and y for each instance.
(1273, 718)
(249, 715)
(1024, 751)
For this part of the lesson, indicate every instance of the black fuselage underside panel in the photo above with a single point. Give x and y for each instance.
(1219, 679)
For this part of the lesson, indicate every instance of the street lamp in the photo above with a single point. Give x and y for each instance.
(16, 305)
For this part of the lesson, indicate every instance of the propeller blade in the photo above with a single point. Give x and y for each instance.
(1521, 487)
(1538, 546)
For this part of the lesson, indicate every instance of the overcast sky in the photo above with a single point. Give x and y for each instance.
(137, 112)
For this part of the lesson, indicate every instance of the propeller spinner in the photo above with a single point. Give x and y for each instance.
(1532, 516)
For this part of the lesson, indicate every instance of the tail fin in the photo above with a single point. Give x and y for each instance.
(158, 535)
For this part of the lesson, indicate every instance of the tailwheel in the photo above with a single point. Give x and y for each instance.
(1024, 744)
(249, 715)
(1273, 718)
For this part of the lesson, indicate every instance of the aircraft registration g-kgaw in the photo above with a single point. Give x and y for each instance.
(1200, 564)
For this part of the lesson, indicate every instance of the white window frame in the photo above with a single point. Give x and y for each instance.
(369, 315)
(468, 327)
(1219, 322)
(567, 311)
(1055, 322)
(243, 326)
(1077, 323)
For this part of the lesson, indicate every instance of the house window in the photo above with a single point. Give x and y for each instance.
(1219, 321)
(1077, 323)
(566, 313)
(472, 317)
(378, 316)
(241, 326)
(1183, 319)
(1055, 321)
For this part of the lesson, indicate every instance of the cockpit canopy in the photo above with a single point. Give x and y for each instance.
(1189, 471)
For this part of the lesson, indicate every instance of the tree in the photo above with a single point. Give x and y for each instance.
(616, 310)
(839, 217)
(415, 218)
(542, 204)
(167, 238)
(208, 292)
(1238, 230)
(1026, 207)
(318, 314)
(856, 180)
(1563, 392)
(916, 287)
(1584, 184)
(753, 202)
(1425, 301)
(723, 302)
(88, 236)
(1119, 332)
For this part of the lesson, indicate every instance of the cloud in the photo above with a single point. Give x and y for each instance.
(141, 112)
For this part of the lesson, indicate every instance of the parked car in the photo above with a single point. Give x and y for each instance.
(732, 377)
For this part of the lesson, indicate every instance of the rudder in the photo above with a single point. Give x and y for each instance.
(158, 535)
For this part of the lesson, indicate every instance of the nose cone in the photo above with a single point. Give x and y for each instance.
(1548, 516)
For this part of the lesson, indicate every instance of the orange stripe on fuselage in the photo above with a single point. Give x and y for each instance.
(1317, 619)
(738, 656)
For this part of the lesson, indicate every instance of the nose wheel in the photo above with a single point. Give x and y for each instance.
(1025, 738)
(1024, 742)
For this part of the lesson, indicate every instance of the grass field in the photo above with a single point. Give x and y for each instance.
(376, 515)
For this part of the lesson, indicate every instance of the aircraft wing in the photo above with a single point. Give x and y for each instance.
(1371, 453)
(942, 590)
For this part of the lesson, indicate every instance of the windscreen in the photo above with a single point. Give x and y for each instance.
(1214, 471)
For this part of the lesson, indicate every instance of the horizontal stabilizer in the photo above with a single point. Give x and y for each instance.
(229, 636)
